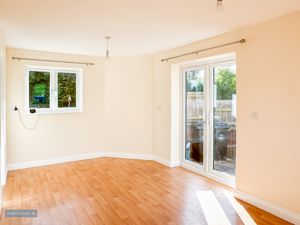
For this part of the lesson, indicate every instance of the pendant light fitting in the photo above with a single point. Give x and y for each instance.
(107, 51)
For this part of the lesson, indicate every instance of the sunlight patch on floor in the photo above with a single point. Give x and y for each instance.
(212, 209)
(241, 211)
(213, 212)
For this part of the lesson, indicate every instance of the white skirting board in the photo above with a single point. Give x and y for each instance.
(269, 207)
(44, 162)
(167, 163)
(283, 213)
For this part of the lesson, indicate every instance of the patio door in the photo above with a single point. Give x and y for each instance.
(210, 118)
(195, 111)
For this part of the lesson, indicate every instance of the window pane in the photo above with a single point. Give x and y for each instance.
(224, 119)
(66, 90)
(39, 89)
(194, 110)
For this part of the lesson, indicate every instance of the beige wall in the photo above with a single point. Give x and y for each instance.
(268, 150)
(3, 110)
(2, 117)
(117, 110)
(128, 106)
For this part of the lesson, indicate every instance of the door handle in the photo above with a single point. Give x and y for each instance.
(207, 118)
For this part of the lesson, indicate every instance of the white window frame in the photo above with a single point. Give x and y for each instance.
(53, 108)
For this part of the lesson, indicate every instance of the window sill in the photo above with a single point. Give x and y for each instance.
(57, 111)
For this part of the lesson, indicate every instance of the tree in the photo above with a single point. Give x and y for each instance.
(66, 89)
(225, 81)
(39, 84)
(194, 83)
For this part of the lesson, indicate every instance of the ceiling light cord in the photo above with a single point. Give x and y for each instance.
(107, 51)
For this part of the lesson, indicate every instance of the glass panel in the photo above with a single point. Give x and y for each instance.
(224, 123)
(194, 122)
(39, 89)
(66, 90)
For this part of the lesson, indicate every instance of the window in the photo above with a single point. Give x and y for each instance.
(50, 90)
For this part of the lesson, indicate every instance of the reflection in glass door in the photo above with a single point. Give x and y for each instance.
(224, 118)
(194, 111)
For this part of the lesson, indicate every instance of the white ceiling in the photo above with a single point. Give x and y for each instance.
(136, 26)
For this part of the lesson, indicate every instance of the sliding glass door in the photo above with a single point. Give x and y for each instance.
(210, 117)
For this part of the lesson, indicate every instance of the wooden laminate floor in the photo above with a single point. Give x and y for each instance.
(120, 191)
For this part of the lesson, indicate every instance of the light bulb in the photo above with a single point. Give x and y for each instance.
(219, 5)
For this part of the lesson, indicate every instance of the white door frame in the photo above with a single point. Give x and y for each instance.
(207, 167)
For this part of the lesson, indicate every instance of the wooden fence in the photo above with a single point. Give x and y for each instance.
(195, 104)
